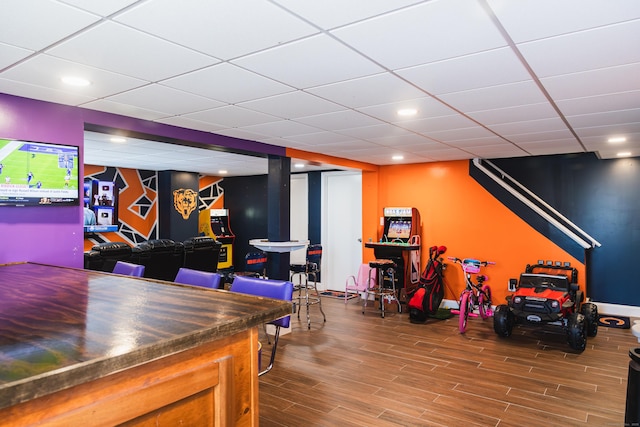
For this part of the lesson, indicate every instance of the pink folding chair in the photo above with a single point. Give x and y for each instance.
(362, 282)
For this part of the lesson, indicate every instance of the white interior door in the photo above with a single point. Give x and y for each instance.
(341, 227)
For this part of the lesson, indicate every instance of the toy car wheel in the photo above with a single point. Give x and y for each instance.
(503, 321)
(590, 312)
(577, 332)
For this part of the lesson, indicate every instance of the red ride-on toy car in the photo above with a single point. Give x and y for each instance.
(549, 293)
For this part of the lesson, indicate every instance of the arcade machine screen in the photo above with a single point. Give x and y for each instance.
(399, 230)
(101, 198)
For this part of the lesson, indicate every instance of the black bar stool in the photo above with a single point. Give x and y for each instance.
(384, 267)
(307, 274)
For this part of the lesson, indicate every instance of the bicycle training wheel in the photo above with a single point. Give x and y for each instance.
(484, 302)
(464, 311)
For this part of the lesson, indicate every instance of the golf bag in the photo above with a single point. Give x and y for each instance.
(426, 299)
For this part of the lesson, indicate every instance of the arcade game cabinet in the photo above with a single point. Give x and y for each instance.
(223, 234)
(400, 242)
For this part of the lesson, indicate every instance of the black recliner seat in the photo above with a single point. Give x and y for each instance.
(201, 253)
(103, 256)
(162, 258)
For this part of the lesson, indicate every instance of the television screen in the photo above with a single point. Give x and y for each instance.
(399, 229)
(38, 174)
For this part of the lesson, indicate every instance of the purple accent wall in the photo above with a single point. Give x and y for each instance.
(53, 235)
(46, 234)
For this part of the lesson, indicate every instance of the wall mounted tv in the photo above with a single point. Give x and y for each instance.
(38, 174)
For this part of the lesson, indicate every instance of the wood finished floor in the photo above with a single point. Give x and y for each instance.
(357, 370)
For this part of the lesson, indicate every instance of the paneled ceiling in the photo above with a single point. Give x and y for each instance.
(486, 78)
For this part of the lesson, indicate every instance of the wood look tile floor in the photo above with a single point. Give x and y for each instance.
(364, 370)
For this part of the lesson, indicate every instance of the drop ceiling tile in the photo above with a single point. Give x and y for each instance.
(375, 131)
(281, 128)
(309, 62)
(529, 126)
(165, 99)
(623, 78)
(338, 147)
(558, 146)
(100, 7)
(12, 87)
(241, 133)
(24, 28)
(227, 83)
(516, 113)
(338, 121)
(47, 72)
(405, 141)
(425, 33)
(540, 136)
(145, 57)
(11, 54)
(598, 103)
(231, 116)
(608, 131)
(489, 98)
(477, 142)
(583, 51)
(123, 109)
(224, 29)
(319, 138)
(187, 123)
(426, 107)
(371, 90)
(458, 134)
(497, 151)
(522, 19)
(292, 105)
(605, 119)
(436, 124)
(468, 72)
(443, 155)
(324, 13)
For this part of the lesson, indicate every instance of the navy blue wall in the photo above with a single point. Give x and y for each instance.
(246, 199)
(600, 196)
(315, 203)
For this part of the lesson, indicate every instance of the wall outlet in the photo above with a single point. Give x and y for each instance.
(512, 285)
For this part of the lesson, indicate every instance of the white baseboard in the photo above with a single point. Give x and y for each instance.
(617, 309)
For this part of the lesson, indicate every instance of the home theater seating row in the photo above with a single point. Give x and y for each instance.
(162, 258)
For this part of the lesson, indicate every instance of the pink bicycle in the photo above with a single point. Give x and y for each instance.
(475, 295)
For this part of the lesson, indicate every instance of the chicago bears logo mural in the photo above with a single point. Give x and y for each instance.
(185, 201)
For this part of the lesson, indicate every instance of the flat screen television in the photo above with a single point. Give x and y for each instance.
(38, 174)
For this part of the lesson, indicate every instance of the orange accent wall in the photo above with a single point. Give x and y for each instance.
(458, 213)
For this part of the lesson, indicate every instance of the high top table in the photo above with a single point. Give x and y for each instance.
(81, 347)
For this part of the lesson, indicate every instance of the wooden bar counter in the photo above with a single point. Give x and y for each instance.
(85, 348)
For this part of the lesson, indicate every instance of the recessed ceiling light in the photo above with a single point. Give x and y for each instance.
(223, 172)
(298, 165)
(75, 81)
(624, 154)
(407, 112)
(617, 139)
(397, 157)
(117, 139)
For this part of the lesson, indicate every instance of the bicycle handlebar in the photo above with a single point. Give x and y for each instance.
(459, 261)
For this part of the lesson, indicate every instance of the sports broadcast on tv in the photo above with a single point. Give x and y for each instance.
(38, 174)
